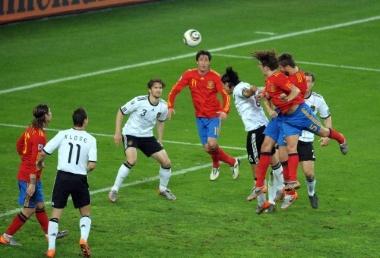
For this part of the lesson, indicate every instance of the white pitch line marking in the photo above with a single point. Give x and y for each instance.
(368, 69)
(265, 32)
(137, 182)
(111, 135)
(162, 60)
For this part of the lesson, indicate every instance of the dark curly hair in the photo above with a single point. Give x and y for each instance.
(231, 77)
(267, 58)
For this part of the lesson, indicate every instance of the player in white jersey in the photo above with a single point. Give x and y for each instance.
(305, 143)
(77, 155)
(144, 113)
(255, 121)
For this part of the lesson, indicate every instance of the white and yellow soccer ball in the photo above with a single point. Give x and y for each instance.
(192, 37)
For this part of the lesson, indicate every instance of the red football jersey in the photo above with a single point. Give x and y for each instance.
(275, 85)
(299, 80)
(28, 146)
(204, 89)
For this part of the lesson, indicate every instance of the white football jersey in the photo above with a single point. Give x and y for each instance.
(143, 116)
(319, 107)
(75, 149)
(249, 109)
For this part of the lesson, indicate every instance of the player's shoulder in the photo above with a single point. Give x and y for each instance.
(35, 132)
(91, 137)
(141, 98)
(243, 85)
(214, 73)
(316, 95)
(240, 86)
(163, 105)
(190, 71)
(277, 75)
(64, 132)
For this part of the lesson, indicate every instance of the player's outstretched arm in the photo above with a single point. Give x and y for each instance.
(171, 112)
(328, 123)
(118, 121)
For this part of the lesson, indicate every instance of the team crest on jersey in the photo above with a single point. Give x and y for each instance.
(210, 85)
(158, 115)
(312, 107)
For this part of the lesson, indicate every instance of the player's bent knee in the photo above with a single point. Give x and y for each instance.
(130, 163)
(212, 146)
(40, 207)
(56, 220)
(166, 164)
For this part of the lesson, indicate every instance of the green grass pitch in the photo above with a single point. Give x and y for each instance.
(99, 60)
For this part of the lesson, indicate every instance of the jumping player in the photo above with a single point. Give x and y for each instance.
(295, 116)
(255, 122)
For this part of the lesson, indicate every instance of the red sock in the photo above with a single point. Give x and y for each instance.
(261, 170)
(215, 158)
(291, 192)
(285, 170)
(16, 224)
(339, 137)
(225, 157)
(293, 161)
(42, 219)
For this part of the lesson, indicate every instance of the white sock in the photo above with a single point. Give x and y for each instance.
(121, 175)
(7, 237)
(272, 189)
(52, 233)
(278, 178)
(165, 175)
(85, 226)
(310, 182)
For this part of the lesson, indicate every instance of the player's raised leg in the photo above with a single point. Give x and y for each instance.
(337, 136)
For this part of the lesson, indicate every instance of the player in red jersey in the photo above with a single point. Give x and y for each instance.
(294, 116)
(204, 85)
(297, 77)
(277, 89)
(31, 195)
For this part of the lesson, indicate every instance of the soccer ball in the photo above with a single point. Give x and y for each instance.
(192, 37)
